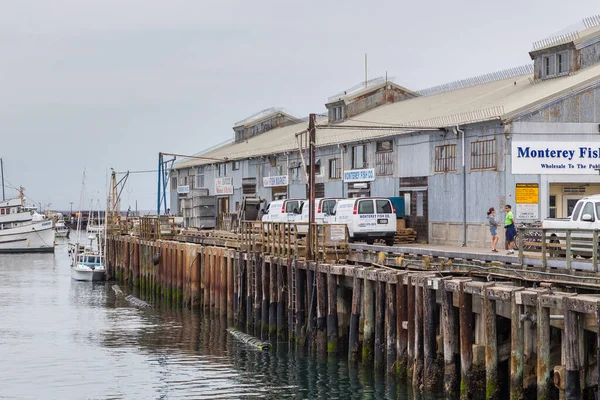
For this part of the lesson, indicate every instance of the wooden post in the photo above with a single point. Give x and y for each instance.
(410, 326)
(311, 292)
(281, 298)
(379, 323)
(173, 269)
(291, 274)
(544, 383)
(573, 334)
(273, 298)
(516, 349)
(450, 340)
(429, 337)
(369, 322)
(391, 327)
(258, 297)
(466, 343)
(181, 266)
(136, 263)
(417, 378)
(491, 347)
(230, 287)
(332, 317)
(250, 268)
(401, 333)
(322, 290)
(355, 319)
(265, 279)
(300, 306)
(195, 279)
(206, 279)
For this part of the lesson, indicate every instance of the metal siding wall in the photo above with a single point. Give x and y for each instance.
(412, 155)
(297, 191)
(334, 188)
(385, 187)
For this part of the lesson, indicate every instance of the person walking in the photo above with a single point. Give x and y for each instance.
(511, 230)
(493, 228)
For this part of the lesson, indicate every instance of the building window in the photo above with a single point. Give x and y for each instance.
(384, 158)
(185, 181)
(552, 205)
(223, 169)
(359, 156)
(407, 204)
(335, 168)
(549, 65)
(192, 181)
(235, 165)
(338, 113)
(562, 62)
(420, 204)
(317, 168)
(445, 158)
(173, 183)
(319, 190)
(483, 155)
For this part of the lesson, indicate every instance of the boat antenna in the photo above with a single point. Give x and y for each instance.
(2, 173)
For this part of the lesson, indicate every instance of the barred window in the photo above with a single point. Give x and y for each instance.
(335, 168)
(483, 154)
(359, 156)
(445, 158)
(384, 158)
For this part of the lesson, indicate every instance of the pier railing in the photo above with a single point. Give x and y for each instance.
(571, 249)
(157, 227)
(290, 239)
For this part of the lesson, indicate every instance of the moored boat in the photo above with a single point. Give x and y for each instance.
(62, 230)
(22, 230)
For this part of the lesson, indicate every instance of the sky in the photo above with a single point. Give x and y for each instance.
(107, 84)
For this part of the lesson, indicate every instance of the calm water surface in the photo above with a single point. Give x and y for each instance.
(61, 339)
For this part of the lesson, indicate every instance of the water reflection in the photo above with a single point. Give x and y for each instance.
(70, 340)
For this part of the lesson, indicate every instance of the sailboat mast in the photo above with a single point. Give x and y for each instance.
(2, 173)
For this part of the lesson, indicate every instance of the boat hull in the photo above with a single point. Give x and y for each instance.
(37, 237)
(87, 275)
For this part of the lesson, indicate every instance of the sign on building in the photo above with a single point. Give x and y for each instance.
(359, 175)
(185, 189)
(555, 157)
(272, 181)
(527, 197)
(223, 186)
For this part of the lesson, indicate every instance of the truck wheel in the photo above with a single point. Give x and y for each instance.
(389, 241)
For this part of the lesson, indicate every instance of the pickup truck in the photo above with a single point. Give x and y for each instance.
(585, 216)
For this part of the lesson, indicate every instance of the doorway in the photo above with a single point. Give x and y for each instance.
(569, 202)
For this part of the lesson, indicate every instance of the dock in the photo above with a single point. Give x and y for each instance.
(460, 320)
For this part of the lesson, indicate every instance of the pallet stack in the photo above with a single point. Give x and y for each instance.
(405, 235)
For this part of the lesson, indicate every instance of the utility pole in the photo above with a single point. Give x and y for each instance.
(311, 185)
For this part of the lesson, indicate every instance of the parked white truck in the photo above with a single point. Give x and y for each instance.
(586, 217)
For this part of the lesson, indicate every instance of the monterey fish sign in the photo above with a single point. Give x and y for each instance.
(555, 157)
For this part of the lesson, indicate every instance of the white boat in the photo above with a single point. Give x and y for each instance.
(62, 230)
(22, 230)
(88, 259)
(88, 267)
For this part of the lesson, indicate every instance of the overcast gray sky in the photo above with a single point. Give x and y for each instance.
(101, 84)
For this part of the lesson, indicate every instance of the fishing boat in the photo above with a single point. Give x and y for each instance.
(87, 263)
(62, 230)
(22, 229)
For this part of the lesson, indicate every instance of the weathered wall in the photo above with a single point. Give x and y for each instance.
(590, 55)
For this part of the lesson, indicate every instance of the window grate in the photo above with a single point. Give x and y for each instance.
(574, 189)
(483, 155)
(445, 158)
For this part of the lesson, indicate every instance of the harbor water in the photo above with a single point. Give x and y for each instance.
(61, 339)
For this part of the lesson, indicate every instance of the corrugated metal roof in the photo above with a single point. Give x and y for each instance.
(503, 99)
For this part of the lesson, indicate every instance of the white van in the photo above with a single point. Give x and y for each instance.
(323, 210)
(368, 218)
(283, 210)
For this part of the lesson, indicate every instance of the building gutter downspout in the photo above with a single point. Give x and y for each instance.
(464, 174)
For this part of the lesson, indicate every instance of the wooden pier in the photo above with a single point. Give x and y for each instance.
(444, 322)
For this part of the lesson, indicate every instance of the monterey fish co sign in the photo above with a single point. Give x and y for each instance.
(555, 157)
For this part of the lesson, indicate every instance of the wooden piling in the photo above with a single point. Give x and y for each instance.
(230, 287)
(181, 266)
(258, 296)
(136, 263)
(265, 280)
(449, 339)
(430, 374)
(401, 333)
(369, 322)
(491, 347)
(311, 293)
(281, 300)
(300, 306)
(544, 383)
(516, 349)
(332, 317)
(273, 298)
(291, 296)
(466, 343)
(380, 304)
(321, 334)
(224, 287)
(391, 327)
(573, 364)
(250, 268)
(355, 319)
(417, 377)
(410, 325)
(195, 283)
